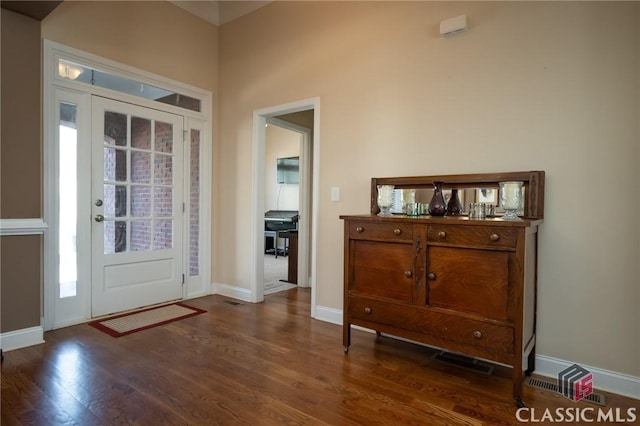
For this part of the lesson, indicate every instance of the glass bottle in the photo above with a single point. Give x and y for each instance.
(454, 206)
(437, 206)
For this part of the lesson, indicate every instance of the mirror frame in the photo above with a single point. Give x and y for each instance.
(533, 182)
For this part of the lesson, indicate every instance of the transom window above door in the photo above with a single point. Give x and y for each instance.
(69, 70)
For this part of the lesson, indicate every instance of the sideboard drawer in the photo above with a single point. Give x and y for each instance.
(479, 236)
(381, 231)
(464, 331)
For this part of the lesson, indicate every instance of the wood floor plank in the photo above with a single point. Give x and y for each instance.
(251, 364)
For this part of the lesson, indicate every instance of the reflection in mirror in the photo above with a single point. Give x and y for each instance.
(467, 196)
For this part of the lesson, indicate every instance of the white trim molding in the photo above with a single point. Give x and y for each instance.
(36, 226)
(610, 381)
(326, 314)
(21, 338)
(234, 292)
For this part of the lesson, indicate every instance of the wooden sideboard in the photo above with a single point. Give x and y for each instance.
(463, 285)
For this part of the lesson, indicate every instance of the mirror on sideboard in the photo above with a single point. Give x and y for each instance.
(472, 188)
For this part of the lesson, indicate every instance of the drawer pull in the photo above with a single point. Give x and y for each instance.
(431, 276)
(397, 231)
(477, 334)
(367, 310)
(408, 274)
(442, 234)
(494, 237)
(359, 229)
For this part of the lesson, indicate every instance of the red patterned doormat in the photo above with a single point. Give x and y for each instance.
(121, 325)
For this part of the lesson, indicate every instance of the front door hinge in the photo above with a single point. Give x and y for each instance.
(183, 207)
(185, 135)
(182, 279)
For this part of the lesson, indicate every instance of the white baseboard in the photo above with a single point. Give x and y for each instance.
(332, 315)
(610, 381)
(234, 292)
(21, 338)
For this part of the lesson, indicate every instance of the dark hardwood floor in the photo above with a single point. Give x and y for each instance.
(251, 364)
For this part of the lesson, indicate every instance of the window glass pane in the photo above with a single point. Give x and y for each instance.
(194, 204)
(140, 235)
(140, 167)
(163, 169)
(86, 75)
(163, 234)
(140, 133)
(164, 137)
(68, 209)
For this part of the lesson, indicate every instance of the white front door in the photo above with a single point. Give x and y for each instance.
(137, 206)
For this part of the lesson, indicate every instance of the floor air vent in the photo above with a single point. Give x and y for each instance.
(231, 302)
(596, 398)
(464, 362)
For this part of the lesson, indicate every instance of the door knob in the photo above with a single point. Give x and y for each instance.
(99, 218)
(98, 202)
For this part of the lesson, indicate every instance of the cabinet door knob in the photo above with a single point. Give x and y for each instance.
(359, 229)
(442, 234)
(367, 310)
(408, 274)
(431, 276)
(477, 334)
(397, 231)
(494, 237)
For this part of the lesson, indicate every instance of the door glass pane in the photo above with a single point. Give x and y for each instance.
(164, 137)
(194, 204)
(68, 206)
(115, 201)
(115, 236)
(140, 235)
(140, 201)
(115, 165)
(140, 133)
(163, 202)
(163, 234)
(115, 129)
(140, 167)
(163, 169)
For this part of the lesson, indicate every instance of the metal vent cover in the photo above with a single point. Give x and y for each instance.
(595, 397)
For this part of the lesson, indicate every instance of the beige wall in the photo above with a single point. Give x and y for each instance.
(20, 171)
(20, 167)
(532, 85)
(154, 36)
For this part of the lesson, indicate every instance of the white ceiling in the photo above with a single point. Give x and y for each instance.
(219, 12)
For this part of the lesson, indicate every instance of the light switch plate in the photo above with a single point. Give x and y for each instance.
(335, 193)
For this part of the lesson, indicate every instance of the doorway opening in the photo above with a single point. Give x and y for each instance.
(292, 117)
